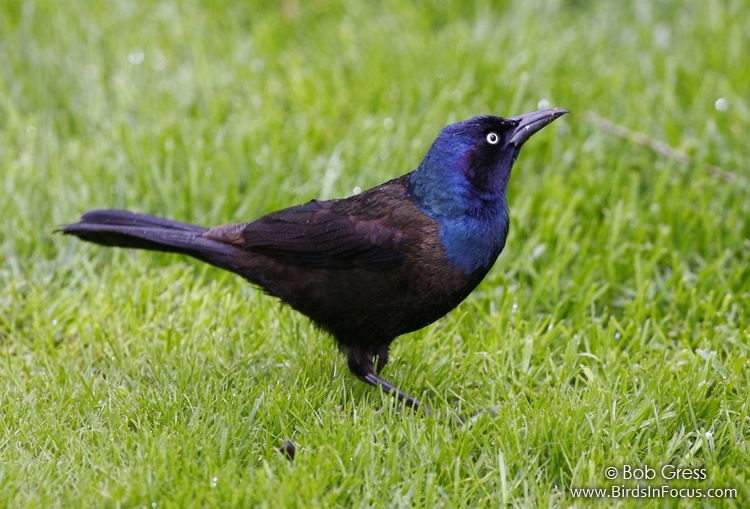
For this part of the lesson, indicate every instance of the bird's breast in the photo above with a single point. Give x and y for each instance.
(473, 244)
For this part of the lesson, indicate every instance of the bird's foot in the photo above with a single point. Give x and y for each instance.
(410, 401)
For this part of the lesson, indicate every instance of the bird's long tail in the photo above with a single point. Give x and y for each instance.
(121, 228)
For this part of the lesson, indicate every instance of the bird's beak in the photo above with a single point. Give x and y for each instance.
(529, 123)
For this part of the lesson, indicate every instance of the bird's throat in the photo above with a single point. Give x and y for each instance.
(473, 228)
(472, 243)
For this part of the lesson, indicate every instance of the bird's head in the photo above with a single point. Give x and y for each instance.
(473, 160)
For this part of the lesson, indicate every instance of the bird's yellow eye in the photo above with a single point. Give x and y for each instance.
(493, 138)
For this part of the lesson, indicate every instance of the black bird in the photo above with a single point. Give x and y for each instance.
(373, 266)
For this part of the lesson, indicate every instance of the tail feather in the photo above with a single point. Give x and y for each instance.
(120, 228)
(127, 218)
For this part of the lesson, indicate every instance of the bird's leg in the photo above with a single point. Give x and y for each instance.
(410, 401)
(361, 364)
(382, 355)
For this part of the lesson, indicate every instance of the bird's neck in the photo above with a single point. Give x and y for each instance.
(473, 225)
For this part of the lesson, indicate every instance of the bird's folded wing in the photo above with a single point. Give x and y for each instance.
(319, 234)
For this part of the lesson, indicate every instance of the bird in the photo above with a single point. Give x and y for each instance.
(368, 268)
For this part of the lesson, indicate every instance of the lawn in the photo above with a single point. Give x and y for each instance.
(612, 332)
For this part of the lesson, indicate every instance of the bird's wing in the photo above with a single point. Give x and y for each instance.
(326, 234)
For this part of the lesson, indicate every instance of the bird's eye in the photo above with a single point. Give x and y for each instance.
(493, 138)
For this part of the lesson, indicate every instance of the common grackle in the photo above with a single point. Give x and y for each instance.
(373, 266)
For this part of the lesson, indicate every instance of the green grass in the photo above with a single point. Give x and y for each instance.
(613, 330)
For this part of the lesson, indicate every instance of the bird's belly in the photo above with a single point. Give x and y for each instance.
(371, 305)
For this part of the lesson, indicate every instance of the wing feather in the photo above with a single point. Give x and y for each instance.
(324, 234)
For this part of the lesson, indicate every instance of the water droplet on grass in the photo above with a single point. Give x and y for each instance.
(662, 36)
(158, 61)
(214, 481)
(543, 104)
(257, 65)
(136, 56)
(721, 104)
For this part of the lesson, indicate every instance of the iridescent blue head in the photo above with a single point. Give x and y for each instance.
(463, 179)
